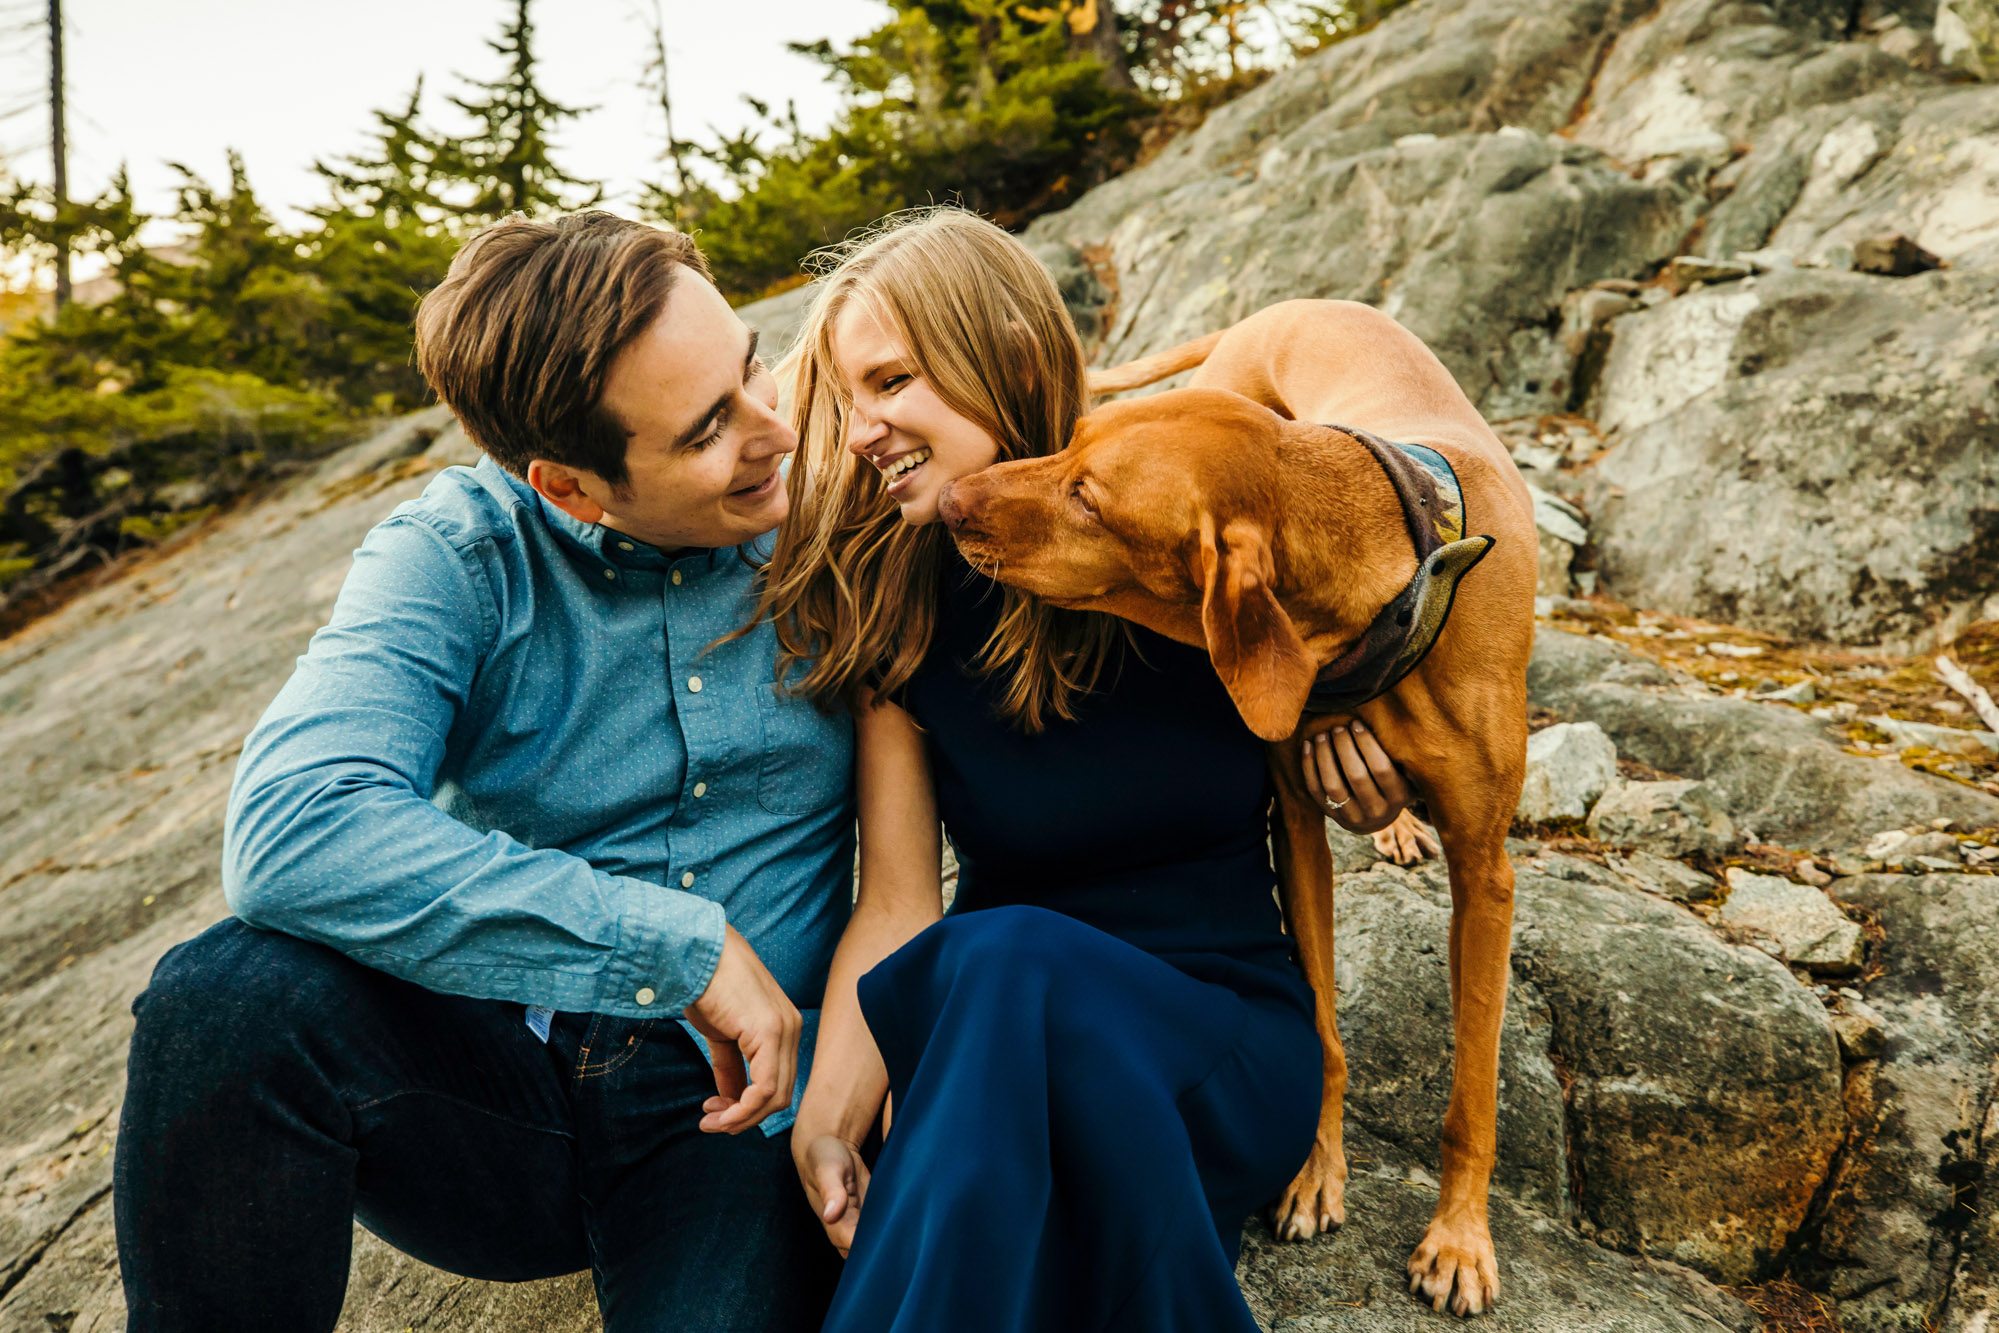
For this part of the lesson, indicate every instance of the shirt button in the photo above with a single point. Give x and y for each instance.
(694, 684)
(610, 573)
(624, 546)
(676, 578)
(687, 880)
(700, 789)
(645, 996)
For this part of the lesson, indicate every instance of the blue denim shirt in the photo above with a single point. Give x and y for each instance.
(508, 769)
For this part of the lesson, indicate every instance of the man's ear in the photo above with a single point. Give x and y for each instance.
(1253, 644)
(561, 487)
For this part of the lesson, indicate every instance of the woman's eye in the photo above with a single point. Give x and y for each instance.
(894, 382)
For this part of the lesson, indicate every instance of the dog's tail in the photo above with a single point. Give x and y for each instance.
(1151, 369)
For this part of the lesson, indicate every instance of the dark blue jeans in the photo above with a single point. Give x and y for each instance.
(279, 1091)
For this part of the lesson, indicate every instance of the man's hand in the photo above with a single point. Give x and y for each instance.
(836, 1180)
(745, 1016)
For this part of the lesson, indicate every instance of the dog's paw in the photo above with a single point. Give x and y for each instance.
(1405, 842)
(1454, 1268)
(1315, 1201)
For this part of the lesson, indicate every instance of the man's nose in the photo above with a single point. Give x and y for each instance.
(774, 435)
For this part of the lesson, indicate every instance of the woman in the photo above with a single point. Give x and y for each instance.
(1103, 1059)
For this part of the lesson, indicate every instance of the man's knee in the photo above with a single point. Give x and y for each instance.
(235, 990)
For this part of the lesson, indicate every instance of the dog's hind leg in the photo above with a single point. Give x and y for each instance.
(1454, 1266)
(1315, 1200)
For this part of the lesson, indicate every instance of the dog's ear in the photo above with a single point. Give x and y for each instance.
(1255, 647)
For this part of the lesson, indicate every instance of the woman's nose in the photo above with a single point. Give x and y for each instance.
(863, 431)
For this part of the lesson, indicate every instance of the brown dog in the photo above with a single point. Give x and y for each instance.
(1262, 514)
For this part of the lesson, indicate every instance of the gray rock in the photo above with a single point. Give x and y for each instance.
(1437, 124)
(1551, 1279)
(1680, 818)
(1779, 772)
(1893, 255)
(1704, 1093)
(1702, 1080)
(1669, 879)
(1903, 1221)
(777, 319)
(1791, 921)
(1862, 1031)
(1835, 427)
(1568, 766)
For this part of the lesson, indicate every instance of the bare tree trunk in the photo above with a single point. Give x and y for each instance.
(1093, 30)
(61, 150)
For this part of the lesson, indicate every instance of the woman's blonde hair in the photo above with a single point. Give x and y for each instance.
(851, 589)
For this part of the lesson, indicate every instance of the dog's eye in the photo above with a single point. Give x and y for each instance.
(1082, 497)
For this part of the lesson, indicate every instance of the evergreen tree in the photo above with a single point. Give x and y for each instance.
(507, 158)
(966, 100)
(401, 182)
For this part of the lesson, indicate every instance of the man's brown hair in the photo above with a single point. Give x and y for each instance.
(521, 334)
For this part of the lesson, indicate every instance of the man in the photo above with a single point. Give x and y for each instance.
(508, 819)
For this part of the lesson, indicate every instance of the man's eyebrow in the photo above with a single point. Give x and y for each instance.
(702, 422)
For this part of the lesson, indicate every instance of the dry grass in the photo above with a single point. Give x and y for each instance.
(1786, 1307)
(1742, 663)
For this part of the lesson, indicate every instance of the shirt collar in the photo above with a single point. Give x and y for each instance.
(599, 543)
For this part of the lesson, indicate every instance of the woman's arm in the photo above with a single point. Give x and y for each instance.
(900, 894)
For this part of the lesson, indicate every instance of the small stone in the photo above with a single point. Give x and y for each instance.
(1925, 851)
(1941, 822)
(1686, 270)
(1766, 261)
(1854, 863)
(1808, 871)
(1669, 879)
(1881, 844)
(1569, 766)
(1950, 740)
(1982, 856)
(1860, 1028)
(1666, 818)
(1794, 922)
(1893, 255)
(1803, 692)
(1842, 711)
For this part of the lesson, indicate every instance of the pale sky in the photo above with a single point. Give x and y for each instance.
(285, 82)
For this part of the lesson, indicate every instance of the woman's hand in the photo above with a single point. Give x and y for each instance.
(836, 1180)
(1355, 782)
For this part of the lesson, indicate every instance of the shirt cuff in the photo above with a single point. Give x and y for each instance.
(669, 944)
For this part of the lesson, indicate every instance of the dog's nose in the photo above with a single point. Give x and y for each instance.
(948, 508)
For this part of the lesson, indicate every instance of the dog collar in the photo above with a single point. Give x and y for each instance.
(1433, 506)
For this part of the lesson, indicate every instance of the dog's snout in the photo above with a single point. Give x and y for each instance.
(950, 506)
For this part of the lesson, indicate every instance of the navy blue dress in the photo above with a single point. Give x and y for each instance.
(1103, 1058)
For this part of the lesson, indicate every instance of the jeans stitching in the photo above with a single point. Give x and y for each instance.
(636, 1039)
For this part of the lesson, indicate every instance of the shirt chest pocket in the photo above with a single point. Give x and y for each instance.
(808, 756)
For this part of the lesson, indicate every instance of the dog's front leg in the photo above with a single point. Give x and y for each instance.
(1454, 1266)
(1316, 1198)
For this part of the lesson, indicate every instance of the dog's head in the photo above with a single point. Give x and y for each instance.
(1163, 510)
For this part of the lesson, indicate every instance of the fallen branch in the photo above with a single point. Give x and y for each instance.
(1960, 680)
